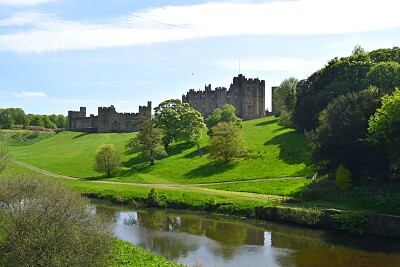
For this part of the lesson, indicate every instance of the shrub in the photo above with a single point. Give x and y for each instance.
(351, 221)
(153, 200)
(44, 223)
(343, 177)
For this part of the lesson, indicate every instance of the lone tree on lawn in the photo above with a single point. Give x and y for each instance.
(227, 142)
(148, 141)
(179, 122)
(108, 159)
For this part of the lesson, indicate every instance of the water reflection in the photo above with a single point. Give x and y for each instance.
(224, 241)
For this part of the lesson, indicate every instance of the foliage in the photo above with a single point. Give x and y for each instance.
(225, 114)
(178, 121)
(339, 137)
(384, 126)
(44, 223)
(284, 100)
(107, 159)
(384, 75)
(148, 141)
(227, 142)
(4, 156)
(11, 117)
(128, 255)
(351, 221)
(340, 76)
(343, 177)
(153, 200)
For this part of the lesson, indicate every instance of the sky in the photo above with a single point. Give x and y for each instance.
(59, 55)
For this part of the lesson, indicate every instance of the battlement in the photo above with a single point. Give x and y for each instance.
(246, 95)
(108, 120)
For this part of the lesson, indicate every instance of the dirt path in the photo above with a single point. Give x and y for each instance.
(182, 187)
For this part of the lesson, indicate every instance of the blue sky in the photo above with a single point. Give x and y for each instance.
(58, 55)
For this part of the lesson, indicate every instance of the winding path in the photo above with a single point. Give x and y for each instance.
(182, 187)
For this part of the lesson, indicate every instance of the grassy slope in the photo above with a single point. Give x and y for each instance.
(273, 152)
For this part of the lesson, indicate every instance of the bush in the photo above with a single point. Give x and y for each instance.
(44, 223)
(153, 200)
(351, 221)
(343, 177)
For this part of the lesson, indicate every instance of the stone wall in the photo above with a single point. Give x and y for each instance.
(108, 120)
(246, 95)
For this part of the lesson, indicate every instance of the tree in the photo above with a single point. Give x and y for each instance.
(45, 223)
(358, 50)
(227, 142)
(4, 156)
(284, 100)
(342, 131)
(384, 126)
(148, 141)
(384, 75)
(107, 159)
(178, 121)
(225, 114)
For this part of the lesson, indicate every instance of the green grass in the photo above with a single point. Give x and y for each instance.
(23, 137)
(125, 254)
(273, 152)
(284, 187)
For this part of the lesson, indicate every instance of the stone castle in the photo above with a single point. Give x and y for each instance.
(107, 121)
(246, 95)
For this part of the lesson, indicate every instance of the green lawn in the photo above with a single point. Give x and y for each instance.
(273, 152)
(284, 187)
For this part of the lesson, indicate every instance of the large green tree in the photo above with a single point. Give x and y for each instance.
(340, 136)
(227, 142)
(225, 114)
(45, 223)
(148, 141)
(384, 126)
(384, 75)
(178, 121)
(107, 159)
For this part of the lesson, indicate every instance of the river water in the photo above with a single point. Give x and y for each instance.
(187, 238)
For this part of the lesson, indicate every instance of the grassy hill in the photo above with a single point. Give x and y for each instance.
(273, 152)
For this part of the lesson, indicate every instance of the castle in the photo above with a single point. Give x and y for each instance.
(246, 95)
(107, 121)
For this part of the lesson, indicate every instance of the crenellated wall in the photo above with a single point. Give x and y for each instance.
(108, 120)
(246, 95)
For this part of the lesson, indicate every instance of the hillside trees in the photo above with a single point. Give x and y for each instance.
(9, 117)
(148, 141)
(227, 142)
(384, 126)
(224, 114)
(284, 101)
(179, 122)
(45, 223)
(107, 159)
(340, 136)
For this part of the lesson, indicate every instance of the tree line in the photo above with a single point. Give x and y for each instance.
(15, 118)
(349, 111)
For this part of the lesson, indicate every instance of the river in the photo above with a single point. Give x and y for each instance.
(187, 238)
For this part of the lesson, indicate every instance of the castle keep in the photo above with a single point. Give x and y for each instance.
(246, 95)
(107, 121)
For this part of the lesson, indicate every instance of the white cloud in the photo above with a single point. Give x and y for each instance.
(25, 94)
(175, 23)
(24, 2)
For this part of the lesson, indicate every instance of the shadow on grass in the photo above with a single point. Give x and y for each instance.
(292, 145)
(195, 154)
(179, 148)
(264, 123)
(80, 135)
(210, 169)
